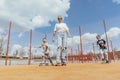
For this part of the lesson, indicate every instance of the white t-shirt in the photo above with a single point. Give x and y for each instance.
(61, 27)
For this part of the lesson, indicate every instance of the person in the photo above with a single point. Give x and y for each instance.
(102, 45)
(45, 48)
(62, 31)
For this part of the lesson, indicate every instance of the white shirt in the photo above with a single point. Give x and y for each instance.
(61, 27)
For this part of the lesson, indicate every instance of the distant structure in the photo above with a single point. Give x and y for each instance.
(2, 37)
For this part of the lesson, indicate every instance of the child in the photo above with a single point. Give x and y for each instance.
(102, 45)
(45, 48)
(62, 32)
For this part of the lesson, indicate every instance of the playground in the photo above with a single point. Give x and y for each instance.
(60, 40)
(86, 71)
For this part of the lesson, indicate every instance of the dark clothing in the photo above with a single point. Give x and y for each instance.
(101, 44)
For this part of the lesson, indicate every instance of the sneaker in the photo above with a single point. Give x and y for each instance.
(40, 64)
(57, 64)
(63, 64)
(103, 61)
(46, 64)
(107, 61)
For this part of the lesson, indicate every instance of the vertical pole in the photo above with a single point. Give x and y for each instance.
(30, 50)
(72, 54)
(8, 43)
(94, 52)
(78, 55)
(78, 48)
(80, 32)
(107, 40)
(112, 51)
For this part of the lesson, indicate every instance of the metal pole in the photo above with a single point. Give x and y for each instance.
(72, 54)
(107, 40)
(8, 43)
(112, 50)
(78, 55)
(80, 32)
(94, 52)
(30, 50)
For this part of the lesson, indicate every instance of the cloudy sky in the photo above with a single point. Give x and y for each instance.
(41, 16)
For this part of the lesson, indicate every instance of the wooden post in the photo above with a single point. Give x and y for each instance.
(112, 51)
(107, 40)
(80, 32)
(8, 43)
(30, 50)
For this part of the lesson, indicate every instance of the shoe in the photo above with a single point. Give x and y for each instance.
(46, 64)
(63, 64)
(103, 61)
(107, 61)
(40, 64)
(57, 64)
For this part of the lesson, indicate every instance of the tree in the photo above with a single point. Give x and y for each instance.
(2, 37)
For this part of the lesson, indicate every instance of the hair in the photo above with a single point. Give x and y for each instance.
(60, 17)
(43, 38)
(98, 36)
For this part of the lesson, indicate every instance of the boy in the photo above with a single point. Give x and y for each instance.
(62, 31)
(102, 45)
(45, 48)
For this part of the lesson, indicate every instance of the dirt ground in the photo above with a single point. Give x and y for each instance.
(86, 71)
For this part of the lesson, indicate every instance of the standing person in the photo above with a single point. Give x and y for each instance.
(103, 49)
(62, 31)
(46, 51)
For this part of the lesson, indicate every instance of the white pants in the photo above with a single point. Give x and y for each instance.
(104, 51)
(62, 43)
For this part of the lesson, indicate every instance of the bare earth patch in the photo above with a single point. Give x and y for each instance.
(86, 71)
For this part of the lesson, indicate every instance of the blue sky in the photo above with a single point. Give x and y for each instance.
(41, 17)
(89, 14)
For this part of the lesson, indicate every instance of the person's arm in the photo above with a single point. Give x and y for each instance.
(37, 46)
(97, 44)
(67, 31)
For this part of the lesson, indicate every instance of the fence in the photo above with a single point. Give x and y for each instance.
(19, 48)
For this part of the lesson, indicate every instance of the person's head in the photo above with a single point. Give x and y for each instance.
(98, 37)
(59, 19)
(44, 40)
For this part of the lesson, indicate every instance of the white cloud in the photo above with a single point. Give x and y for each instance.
(1, 30)
(3, 35)
(16, 47)
(87, 38)
(116, 1)
(113, 32)
(31, 14)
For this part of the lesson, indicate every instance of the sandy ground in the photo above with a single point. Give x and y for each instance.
(86, 71)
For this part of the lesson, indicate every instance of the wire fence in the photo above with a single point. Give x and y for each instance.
(81, 48)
